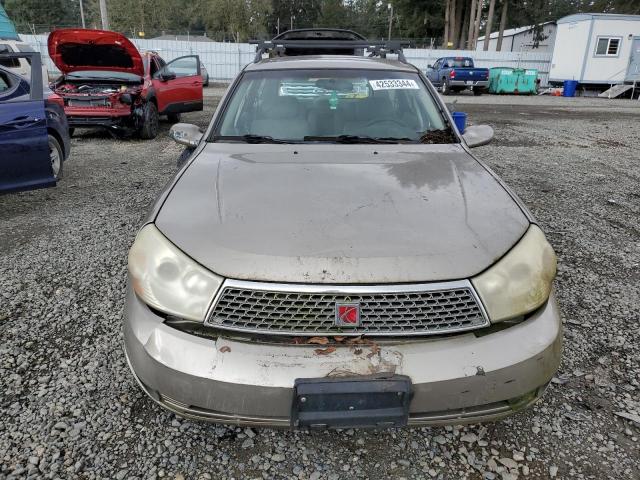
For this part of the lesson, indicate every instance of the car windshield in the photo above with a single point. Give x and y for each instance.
(103, 75)
(345, 106)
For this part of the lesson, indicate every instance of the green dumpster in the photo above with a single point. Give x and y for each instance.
(527, 83)
(516, 81)
(502, 80)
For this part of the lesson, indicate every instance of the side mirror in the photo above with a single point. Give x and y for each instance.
(186, 134)
(477, 135)
(430, 67)
(166, 76)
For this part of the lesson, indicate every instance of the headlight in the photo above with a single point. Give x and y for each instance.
(521, 280)
(167, 280)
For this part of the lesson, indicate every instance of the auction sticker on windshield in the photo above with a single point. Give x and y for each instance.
(394, 84)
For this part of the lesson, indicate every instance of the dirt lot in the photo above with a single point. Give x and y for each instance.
(70, 408)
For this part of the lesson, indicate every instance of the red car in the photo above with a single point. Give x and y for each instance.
(107, 82)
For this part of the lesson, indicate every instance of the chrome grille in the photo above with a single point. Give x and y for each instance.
(304, 310)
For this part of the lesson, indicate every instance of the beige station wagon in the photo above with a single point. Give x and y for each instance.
(333, 255)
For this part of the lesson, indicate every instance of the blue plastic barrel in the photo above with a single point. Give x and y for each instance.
(569, 89)
(460, 119)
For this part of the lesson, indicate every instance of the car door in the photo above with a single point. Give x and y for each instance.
(25, 162)
(435, 73)
(178, 85)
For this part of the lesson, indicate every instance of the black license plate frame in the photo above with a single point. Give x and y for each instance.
(368, 401)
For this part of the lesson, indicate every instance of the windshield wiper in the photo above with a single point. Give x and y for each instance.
(250, 138)
(355, 139)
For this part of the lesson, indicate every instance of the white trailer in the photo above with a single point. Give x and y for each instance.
(597, 49)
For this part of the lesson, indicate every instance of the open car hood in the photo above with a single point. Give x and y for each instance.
(79, 49)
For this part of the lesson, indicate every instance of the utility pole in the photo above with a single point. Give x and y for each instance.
(141, 18)
(390, 7)
(82, 15)
(278, 26)
(103, 15)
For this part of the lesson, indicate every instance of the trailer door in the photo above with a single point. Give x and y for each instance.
(633, 74)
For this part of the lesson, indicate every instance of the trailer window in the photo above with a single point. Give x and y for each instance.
(608, 46)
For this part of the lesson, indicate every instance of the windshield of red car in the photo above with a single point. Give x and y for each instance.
(312, 105)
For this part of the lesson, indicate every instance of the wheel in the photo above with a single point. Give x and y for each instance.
(173, 117)
(446, 90)
(56, 155)
(149, 127)
(71, 130)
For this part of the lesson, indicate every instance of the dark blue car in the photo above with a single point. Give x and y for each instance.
(34, 133)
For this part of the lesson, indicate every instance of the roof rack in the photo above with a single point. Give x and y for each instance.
(282, 48)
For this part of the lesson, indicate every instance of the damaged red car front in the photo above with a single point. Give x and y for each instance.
(107, 82)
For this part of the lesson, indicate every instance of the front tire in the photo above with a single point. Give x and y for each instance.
(150, 121)
(56, 156)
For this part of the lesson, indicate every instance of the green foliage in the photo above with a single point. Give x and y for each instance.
(245, 19)
(26, 13)
(299, 13)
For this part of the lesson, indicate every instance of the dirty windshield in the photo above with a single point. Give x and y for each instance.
(343, 106)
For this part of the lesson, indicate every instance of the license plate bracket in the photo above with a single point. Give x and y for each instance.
(374, 401)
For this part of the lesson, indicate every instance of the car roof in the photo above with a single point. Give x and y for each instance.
(339, 62)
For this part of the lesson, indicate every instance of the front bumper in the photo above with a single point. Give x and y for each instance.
(79, 117)
(469, 83)
(456, 379)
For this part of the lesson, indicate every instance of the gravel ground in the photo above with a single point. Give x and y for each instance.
(70, 408)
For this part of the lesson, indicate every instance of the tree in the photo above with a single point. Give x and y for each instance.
(462, 43)
(487, 32)
(296, 13)
(455, 21)
(472, 19)
(503, 22)
(476, 26)
(52, 13)
(447, 23)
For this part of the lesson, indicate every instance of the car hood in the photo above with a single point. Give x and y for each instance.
(341, 214)
(78, 49)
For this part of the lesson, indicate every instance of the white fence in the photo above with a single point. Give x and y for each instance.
(224, 60)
